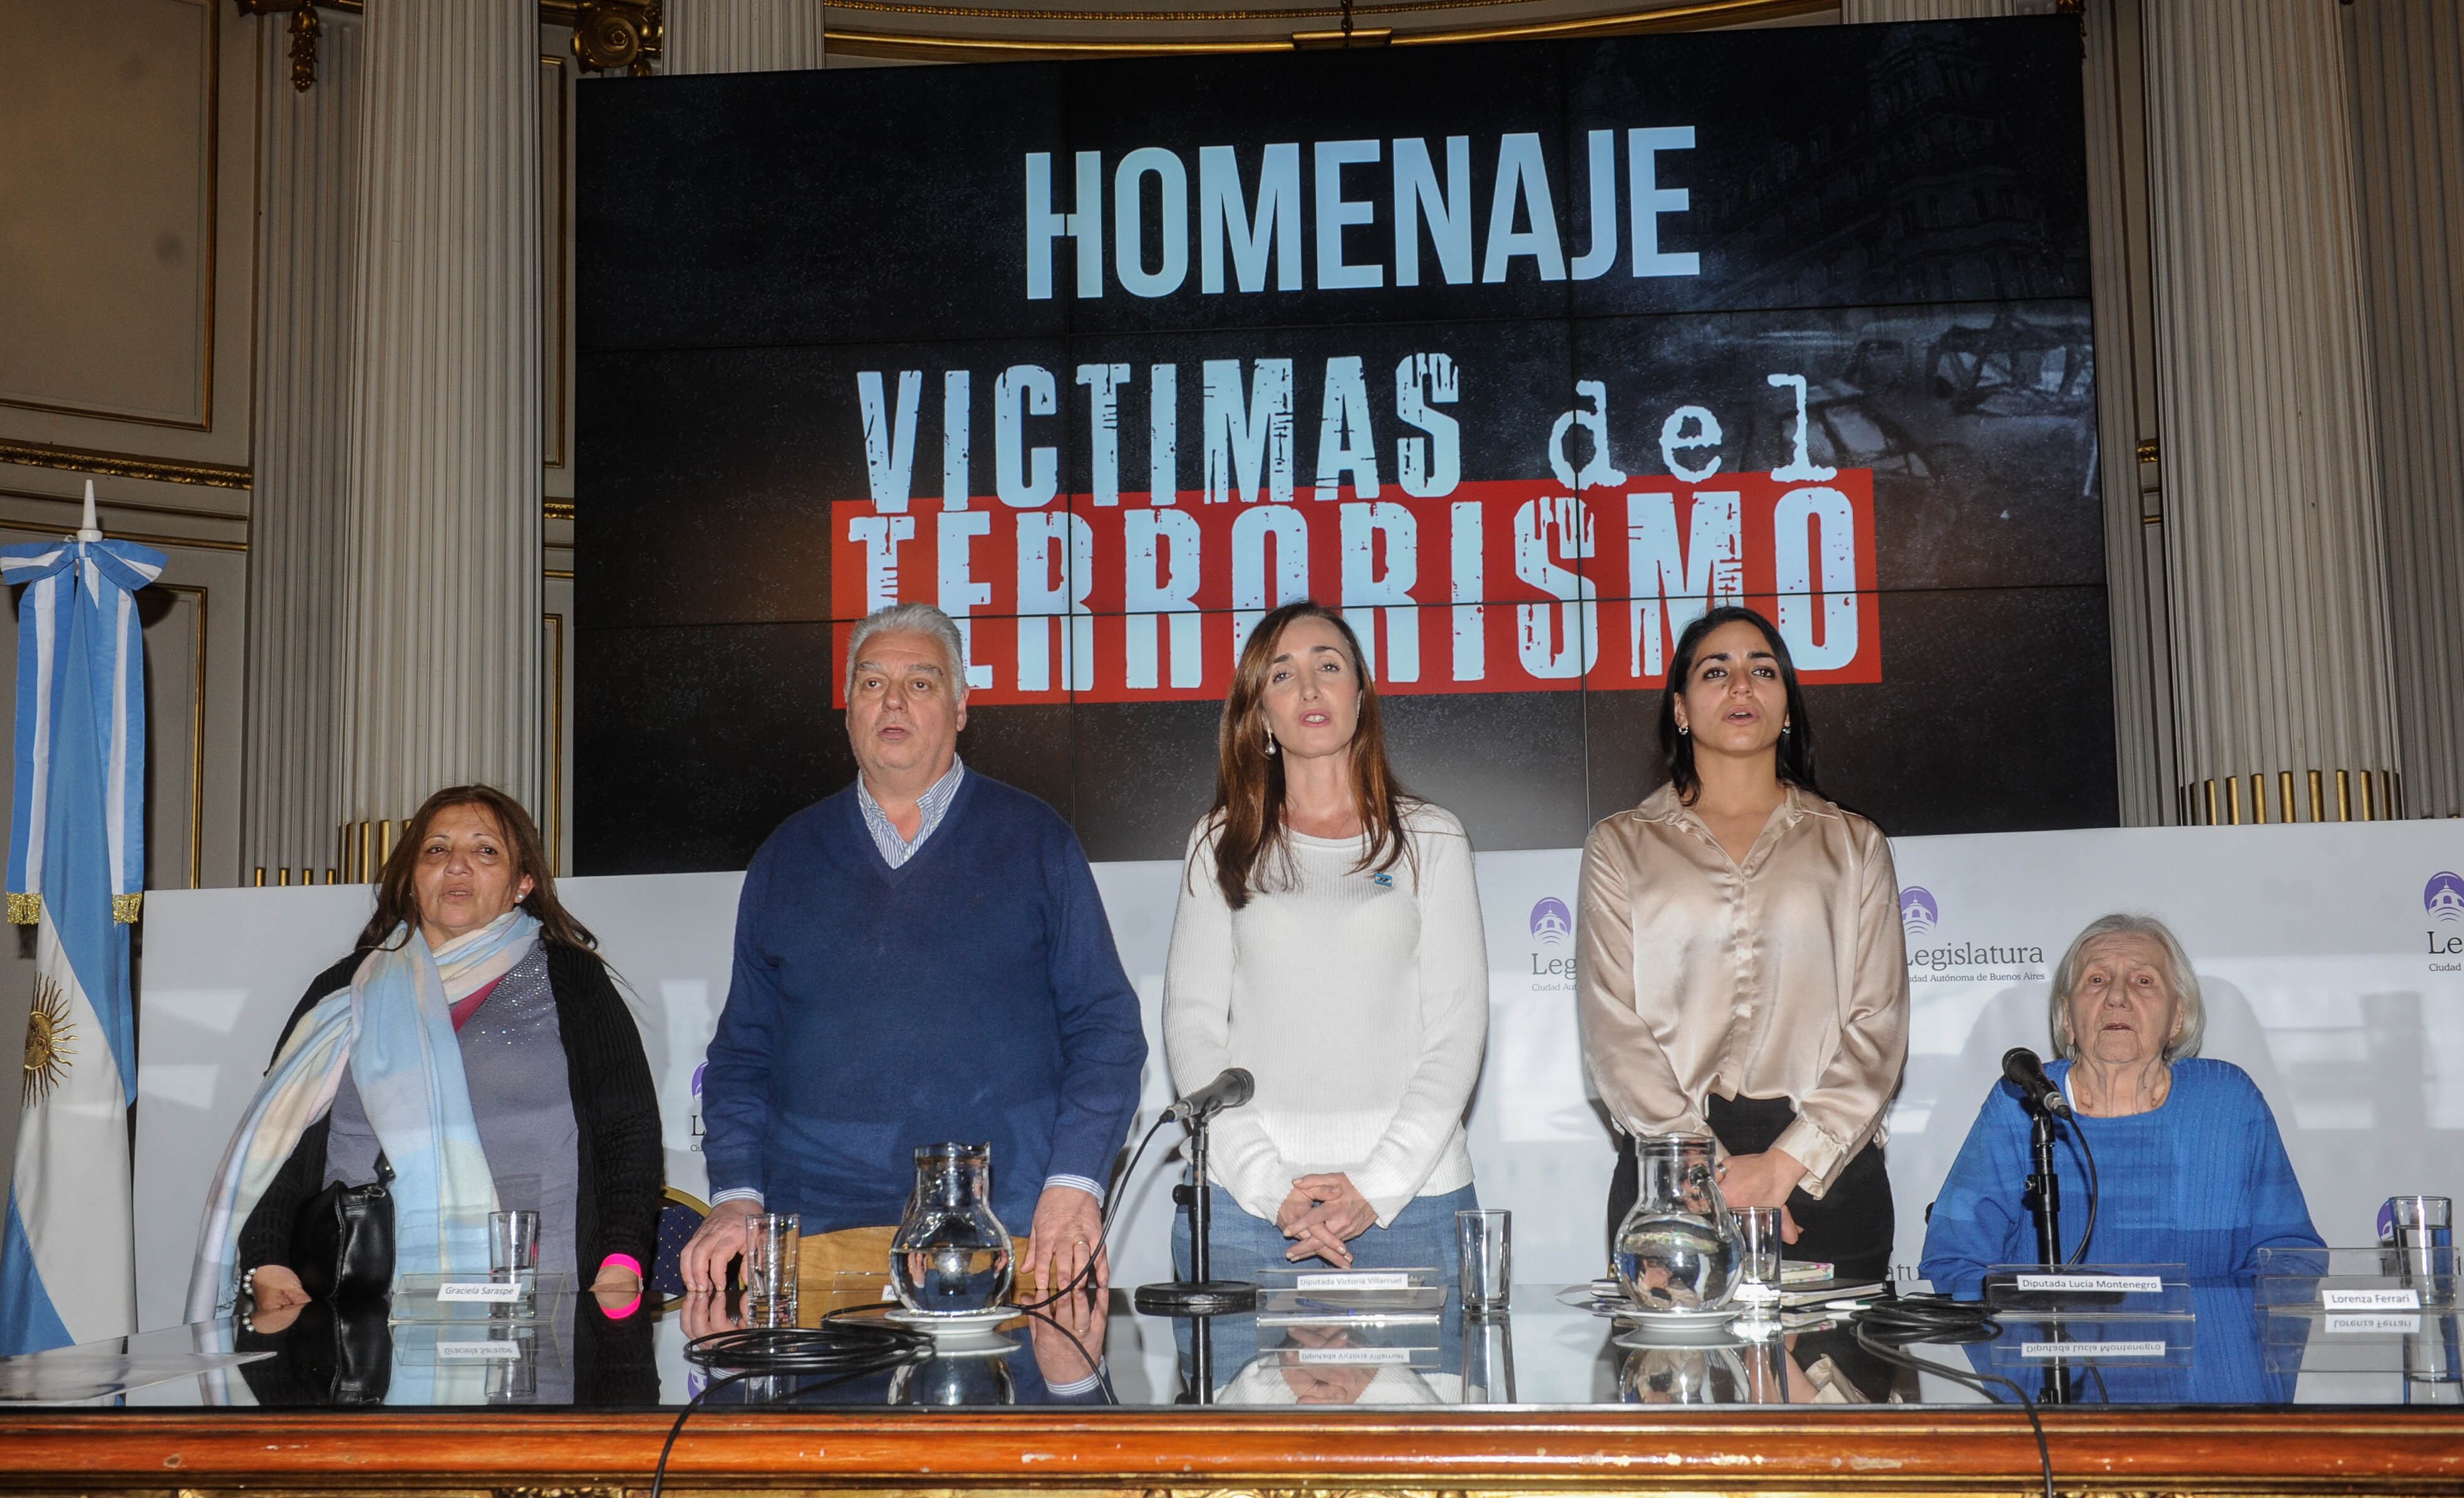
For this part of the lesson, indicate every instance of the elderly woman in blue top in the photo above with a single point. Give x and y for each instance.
(2192, 1169)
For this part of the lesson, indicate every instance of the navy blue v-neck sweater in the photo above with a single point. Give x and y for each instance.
(972, 994)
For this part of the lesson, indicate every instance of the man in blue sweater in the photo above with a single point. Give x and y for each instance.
(922, 957)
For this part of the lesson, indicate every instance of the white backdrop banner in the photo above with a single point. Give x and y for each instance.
(2332, 958)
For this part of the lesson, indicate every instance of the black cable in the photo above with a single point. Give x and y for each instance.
(1888, 1325)
(1094, 1364)
(851, 1343)
(2093, 1192)
(1111, 1207)
(832, 1352)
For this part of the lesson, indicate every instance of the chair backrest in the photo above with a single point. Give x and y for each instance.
(680, 1217)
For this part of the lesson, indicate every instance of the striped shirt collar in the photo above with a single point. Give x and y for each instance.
(934, 804)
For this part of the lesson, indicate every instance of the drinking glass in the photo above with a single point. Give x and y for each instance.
(771, 1249)
(1758, 1257)
(513, 1243)
(1486, 1238)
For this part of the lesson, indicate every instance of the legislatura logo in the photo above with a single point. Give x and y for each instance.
(1961, 962)
(1919, 911)
(1553, 925)
(2442, 899)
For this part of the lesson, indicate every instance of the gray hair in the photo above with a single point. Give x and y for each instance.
(2180, 982)
(911, 619)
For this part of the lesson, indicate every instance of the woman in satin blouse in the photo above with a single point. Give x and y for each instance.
(1742, 970)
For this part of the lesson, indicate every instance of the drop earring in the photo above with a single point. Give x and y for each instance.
(1270, 747)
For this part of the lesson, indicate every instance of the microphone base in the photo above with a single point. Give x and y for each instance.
(1201, 1298)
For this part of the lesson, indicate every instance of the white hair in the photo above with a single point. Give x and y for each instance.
(911, 619)
(2180, 983)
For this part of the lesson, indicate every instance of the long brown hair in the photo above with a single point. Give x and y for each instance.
(398, 896)
(1250, 783)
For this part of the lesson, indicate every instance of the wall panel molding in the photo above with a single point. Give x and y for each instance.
(125, 465)
(128, 313)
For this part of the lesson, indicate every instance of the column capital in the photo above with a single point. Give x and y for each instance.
(609, 35)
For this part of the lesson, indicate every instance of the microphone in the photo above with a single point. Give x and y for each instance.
(2022, 1069)
(1231, 1090)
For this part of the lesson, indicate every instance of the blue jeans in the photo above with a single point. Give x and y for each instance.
(1241, 1246)
(1244, 1247)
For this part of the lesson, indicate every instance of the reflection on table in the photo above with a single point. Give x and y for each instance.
(1544, 1352)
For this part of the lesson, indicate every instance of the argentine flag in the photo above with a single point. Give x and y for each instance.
(76, 873)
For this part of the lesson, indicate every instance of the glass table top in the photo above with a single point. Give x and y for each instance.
(1549, 1349)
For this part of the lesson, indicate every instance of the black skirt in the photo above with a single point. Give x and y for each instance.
(1851, 1226)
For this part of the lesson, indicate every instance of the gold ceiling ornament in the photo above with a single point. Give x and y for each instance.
(305, 29)
(1513, 20)
(48, 1033)
(609, 34)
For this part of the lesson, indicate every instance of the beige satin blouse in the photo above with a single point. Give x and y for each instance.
(1786, 975)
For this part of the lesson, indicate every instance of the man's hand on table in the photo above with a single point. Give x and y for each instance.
(718, 1242)
(1066, 1238)
(701, 1312)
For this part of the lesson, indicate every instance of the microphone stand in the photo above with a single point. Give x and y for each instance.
(2044, 1199)
(1200, 1295)
(2044, 1194)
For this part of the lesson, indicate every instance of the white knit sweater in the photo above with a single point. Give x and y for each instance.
(1357, 998)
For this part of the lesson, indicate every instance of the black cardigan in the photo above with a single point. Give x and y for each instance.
(615, 1114)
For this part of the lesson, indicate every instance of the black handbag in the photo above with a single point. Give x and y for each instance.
(342, 1243)
(337, 1352)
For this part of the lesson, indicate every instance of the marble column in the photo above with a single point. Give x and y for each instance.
(2125, 400)
(741, 35)
(438, 617)
(310, 145)
(2143, 722)
(2408, 69)
(2273, 526)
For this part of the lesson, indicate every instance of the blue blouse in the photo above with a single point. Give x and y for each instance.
(2201, 1181)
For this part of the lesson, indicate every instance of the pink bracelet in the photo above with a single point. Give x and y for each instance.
(625, 1261)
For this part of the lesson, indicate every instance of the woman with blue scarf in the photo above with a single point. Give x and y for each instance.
(471, 1051)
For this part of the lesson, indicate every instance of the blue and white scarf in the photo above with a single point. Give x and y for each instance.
(393, 1026)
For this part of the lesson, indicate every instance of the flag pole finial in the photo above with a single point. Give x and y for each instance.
(90, 531)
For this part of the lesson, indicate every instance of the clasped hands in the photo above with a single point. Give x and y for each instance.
(1763, 1181)
(1321, 1214)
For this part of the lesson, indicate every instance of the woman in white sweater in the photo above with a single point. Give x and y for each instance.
(1329, 940)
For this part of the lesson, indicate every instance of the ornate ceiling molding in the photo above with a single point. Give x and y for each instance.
(628, 35)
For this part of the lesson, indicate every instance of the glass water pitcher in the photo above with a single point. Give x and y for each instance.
(1677, 1251)
(952, 1256)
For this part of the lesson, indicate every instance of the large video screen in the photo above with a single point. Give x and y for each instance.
(1519, 354)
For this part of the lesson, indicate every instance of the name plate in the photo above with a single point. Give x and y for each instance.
(2387, 1298)
(2092, 1349)
(1373, 1280)
(505, 1352)
(1355, 1356)
(2381, 1324)
(2093, 1283)
(495, 1291)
